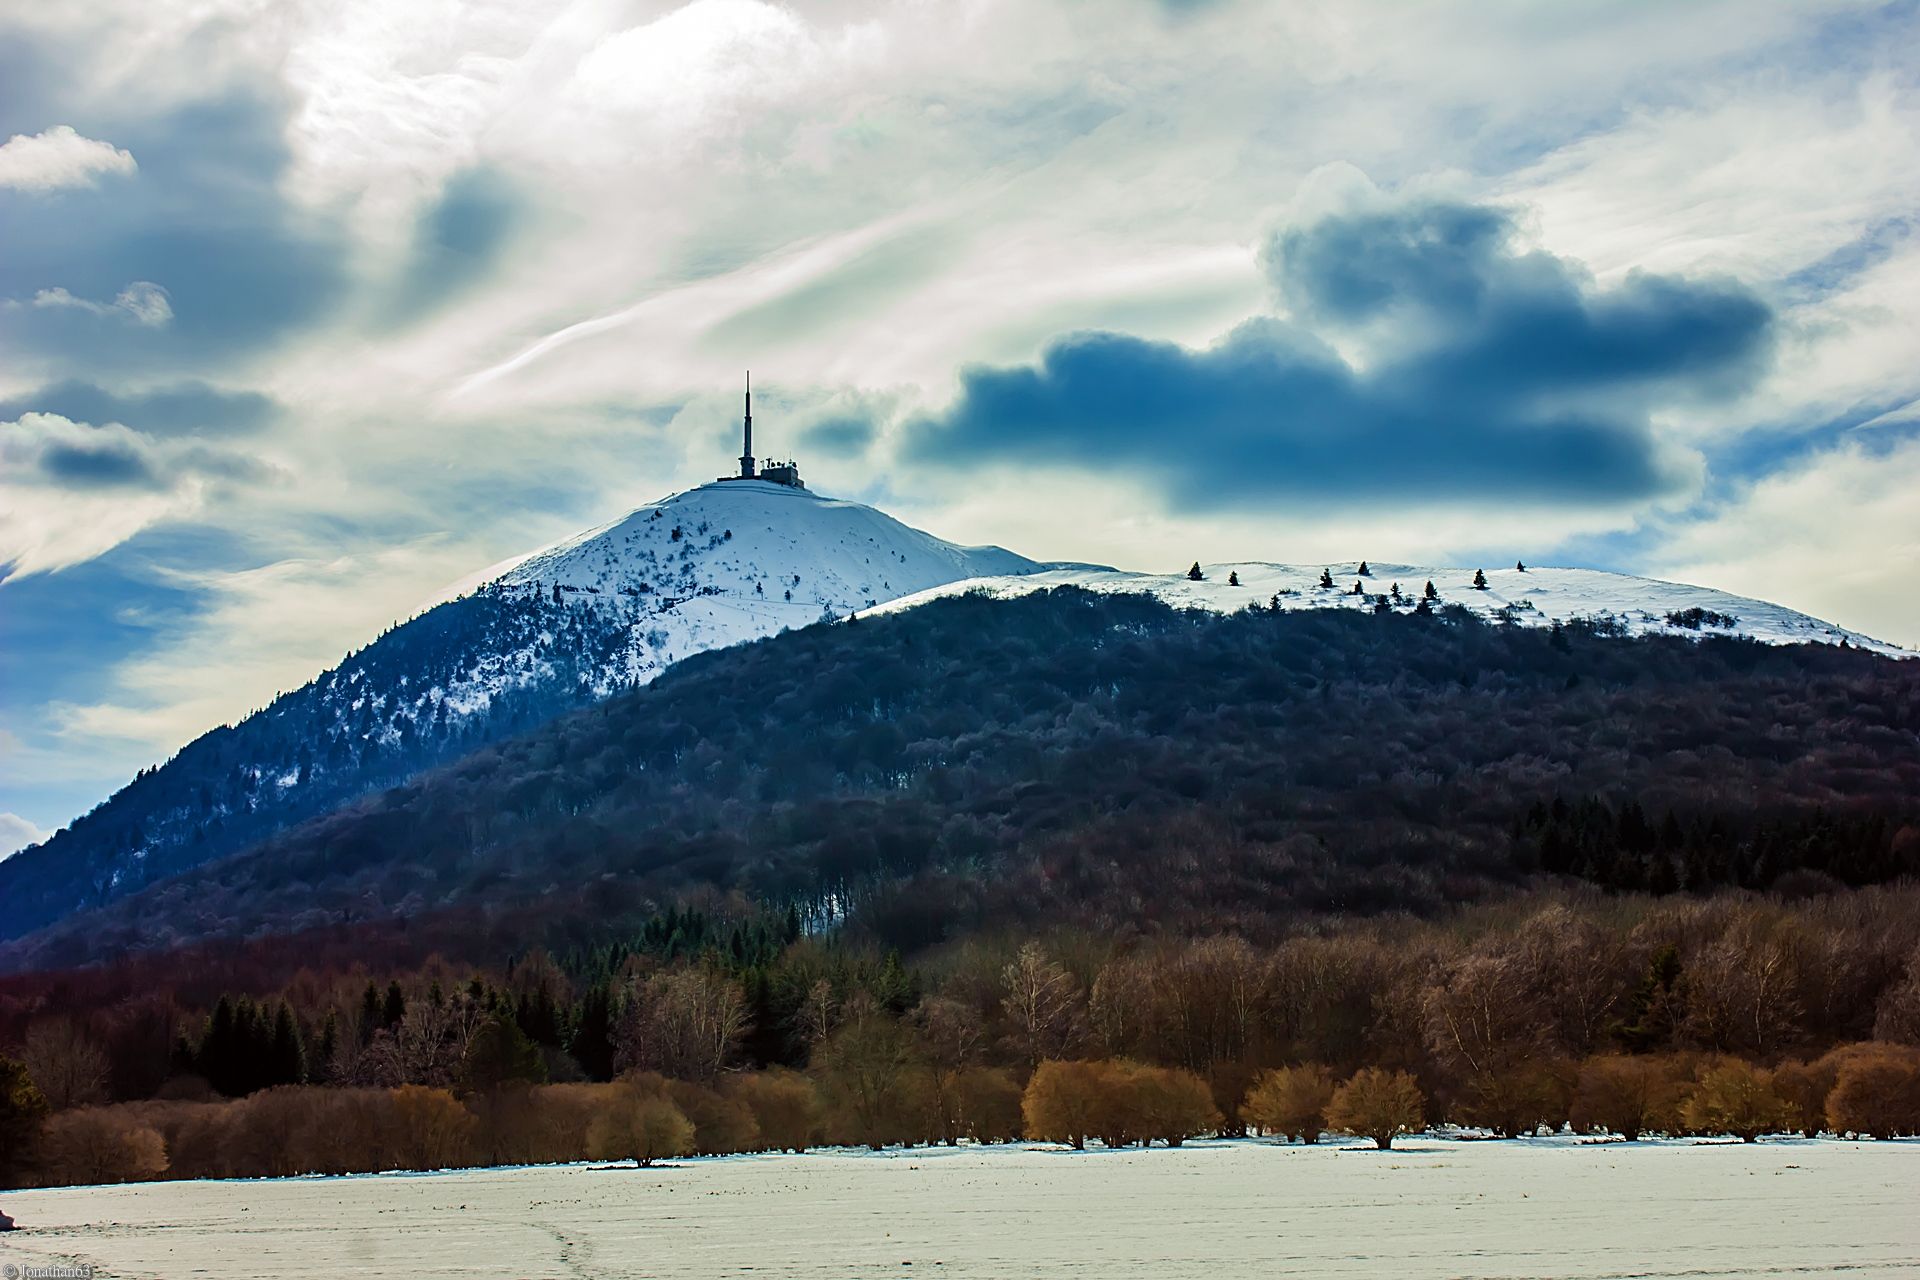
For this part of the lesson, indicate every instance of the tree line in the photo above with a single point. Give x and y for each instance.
(1736, 1014)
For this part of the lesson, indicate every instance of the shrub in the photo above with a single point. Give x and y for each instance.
(1290, 1101)
(1877, 1091)
(1628, 1095)
(431, 1130)
(562, 1114)
(1803, 1088)
(1734, 1097)
(1062, 1102)
(1167, 1103)
(639, 1126)
(1516, 1099)
(989, 1104)
(98, 1145)
(785, 1107)
(721, 1125)
(1378, 1104)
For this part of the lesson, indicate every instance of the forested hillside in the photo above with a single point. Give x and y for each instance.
(1106, 760)
(599, 613)
(387, 712)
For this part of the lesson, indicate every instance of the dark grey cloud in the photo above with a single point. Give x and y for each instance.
(1487, 372)
(60, 454)
(204, 220)
(105, 462)
(456, 242)
(840, 435)
(184, 409)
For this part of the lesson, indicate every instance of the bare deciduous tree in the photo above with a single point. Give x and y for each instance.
(65, 1063)
(1041, 1004)
(685, 1023)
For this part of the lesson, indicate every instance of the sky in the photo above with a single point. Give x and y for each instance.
(310, 309)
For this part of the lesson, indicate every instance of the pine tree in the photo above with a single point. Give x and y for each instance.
(1194, 574)
(286, 1058)
(1479, 579)
(1521, 565)
(1358, 590)
(370, 1019)
(1364, 571)
(1233, 577)
(592, 1041)
(218, 1050)
(324, 1053)
(501, 1054)
(1395, 593)
(395, 1007)
(1326, 579)
(1430, 593)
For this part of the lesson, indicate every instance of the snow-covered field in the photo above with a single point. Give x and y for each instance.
(1215, 1209)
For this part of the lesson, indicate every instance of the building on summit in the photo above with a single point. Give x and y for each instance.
(786, 473)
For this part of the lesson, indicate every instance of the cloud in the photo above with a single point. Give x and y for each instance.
(59, 158)
(222, 264)
(456, 242)
(1836, 534)
(70, 491)
(16, 833)
(1428, 359)
(181, 409)
(143, 301)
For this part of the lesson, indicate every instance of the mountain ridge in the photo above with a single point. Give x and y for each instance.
(710, 567)
(564, 626)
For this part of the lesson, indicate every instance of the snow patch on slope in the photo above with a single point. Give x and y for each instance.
(1531, 597)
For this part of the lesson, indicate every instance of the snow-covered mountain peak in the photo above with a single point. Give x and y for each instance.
(1526, 597)
(768, 555)
(728, 562)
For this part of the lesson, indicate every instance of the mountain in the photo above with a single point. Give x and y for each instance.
(1101, 759)
(577, 622)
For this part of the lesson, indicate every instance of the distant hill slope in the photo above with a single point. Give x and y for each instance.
(1106, 759)
(1536, 597)
(597, 614)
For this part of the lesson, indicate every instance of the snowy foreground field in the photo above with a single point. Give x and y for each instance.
(1213, 1209)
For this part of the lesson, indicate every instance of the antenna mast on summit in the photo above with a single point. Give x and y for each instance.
(746, 446)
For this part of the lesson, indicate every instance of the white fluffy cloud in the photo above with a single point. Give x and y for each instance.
(16, 833)
(59, 158)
